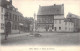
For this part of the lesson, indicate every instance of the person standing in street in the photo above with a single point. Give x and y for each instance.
(6, 34)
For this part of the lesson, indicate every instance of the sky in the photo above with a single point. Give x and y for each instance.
(29, 7)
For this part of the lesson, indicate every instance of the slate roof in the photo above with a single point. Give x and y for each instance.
(4, 3)
(70, 15)
(51, 10)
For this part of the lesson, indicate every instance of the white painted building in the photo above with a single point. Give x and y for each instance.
(60, 25)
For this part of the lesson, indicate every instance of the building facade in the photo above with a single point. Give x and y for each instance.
(14, 20)
(76, 20)
(51, 18)
(60, 25)
(2, 19)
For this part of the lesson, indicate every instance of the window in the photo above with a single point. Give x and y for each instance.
(18, 27)
(57, 9)
(2, 26)
(2, 16)
(10, 15)
(38, 25)
(52, 26)
(7, 6)
(59, 28)
(69, 23)
(59, 21)
(2, 10)
(39, 21)
(65, 23)
(69, 19)
(18, 18)
(15, 27)
(65, 28)
(13, 17)
(69, 28)
(55, 28)
(70, 15)
(55, 21)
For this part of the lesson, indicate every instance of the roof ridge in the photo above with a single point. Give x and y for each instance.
(50, 5)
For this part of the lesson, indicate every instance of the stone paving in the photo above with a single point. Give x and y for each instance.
(45, 39)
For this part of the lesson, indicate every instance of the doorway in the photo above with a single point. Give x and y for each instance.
(55, 28)
(8, 27)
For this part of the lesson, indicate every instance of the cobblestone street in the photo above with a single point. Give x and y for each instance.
(45, 39)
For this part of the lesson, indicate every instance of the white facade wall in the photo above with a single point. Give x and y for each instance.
(58, 16)
(2, 21)
(65, 26)
(59, 25)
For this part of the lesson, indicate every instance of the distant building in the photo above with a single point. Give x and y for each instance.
(51, 18)
(75, 19)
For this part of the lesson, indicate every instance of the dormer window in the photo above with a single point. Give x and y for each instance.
(7, 0)
(70, 15)
(13, 8)
(8, 6)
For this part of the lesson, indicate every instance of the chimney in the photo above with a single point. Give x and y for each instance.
(62, 4)
(10, 1)
(39, 6)
(54, 4)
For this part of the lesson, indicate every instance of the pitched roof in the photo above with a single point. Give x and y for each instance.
(51, 10)
(4, 3)
(70, 15)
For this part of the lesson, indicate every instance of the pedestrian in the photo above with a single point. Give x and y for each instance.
(6, 34)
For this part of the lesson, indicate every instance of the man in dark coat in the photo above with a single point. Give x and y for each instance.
(6, 34)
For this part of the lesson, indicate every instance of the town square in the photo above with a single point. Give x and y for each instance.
(34, 23)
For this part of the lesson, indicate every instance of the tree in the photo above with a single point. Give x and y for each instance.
(29, 21)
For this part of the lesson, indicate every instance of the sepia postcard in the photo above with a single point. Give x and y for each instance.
(39, 25)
